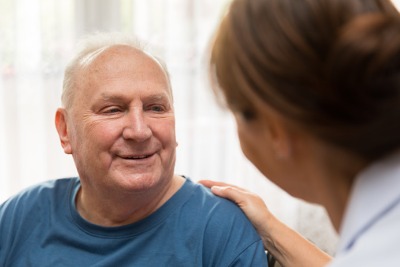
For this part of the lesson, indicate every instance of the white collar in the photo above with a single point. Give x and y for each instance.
(374, 191)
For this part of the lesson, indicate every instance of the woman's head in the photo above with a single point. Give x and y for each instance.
(330, 67)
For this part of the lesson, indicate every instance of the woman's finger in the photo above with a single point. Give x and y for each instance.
(210, 183)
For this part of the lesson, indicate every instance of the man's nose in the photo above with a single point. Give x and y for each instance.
(136, 126)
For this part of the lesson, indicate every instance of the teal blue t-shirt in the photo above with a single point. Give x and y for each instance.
(41, 227)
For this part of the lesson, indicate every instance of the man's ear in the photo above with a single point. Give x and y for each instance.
(62, 129)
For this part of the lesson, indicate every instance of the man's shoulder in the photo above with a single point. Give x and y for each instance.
(33, 194)
(207, 199)
(216, 209)
(222, 223)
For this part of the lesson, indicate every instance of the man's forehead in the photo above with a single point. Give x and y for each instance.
(107, 60)
(109, 53)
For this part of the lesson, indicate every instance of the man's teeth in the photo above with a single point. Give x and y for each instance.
(137, 157)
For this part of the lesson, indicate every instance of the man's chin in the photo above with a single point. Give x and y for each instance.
(139, 182)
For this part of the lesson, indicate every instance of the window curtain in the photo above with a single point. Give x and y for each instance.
(37, 38)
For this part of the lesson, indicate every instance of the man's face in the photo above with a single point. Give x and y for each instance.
(121, 124)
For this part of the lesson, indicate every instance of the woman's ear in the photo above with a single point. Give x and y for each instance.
(62, 129)
(282, 136)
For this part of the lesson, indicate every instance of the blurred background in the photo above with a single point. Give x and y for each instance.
(37, 38)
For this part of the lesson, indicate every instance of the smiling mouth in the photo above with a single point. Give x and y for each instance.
(137, 157)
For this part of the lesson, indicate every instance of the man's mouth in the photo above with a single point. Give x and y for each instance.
(136, 157)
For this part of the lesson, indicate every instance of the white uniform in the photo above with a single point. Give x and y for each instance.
(370, 231)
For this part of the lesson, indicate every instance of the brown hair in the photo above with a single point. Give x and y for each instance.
(333, 67)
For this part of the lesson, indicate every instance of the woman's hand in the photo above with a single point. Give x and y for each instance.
(286, 245)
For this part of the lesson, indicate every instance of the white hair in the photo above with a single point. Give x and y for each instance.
(92, 45)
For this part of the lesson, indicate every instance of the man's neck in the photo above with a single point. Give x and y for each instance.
(125, 209)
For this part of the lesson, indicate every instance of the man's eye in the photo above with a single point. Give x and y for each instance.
(112, 110)
(157, 108)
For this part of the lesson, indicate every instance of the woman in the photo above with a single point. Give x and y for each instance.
(314, 86)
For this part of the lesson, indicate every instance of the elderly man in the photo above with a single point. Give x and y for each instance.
(127, 208)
